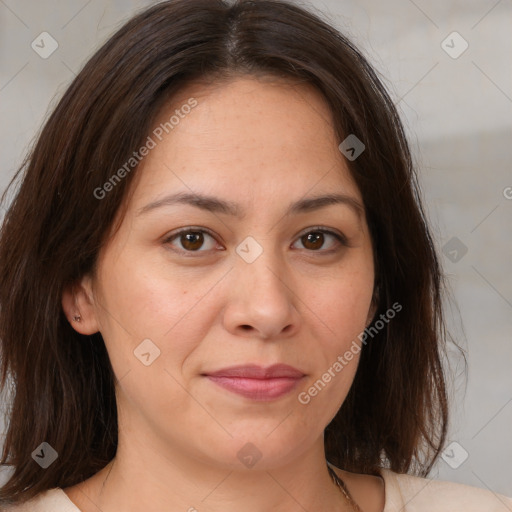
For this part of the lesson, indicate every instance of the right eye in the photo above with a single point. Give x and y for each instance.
(191, 240)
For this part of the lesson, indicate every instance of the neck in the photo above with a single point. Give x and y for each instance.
(152, 477)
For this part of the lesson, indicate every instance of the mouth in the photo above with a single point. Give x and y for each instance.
(256, 382)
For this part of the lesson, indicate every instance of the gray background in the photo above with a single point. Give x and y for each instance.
(458, 115)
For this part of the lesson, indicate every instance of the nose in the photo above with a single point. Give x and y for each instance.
(263, 301)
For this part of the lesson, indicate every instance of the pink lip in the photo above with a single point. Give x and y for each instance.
(256, 382)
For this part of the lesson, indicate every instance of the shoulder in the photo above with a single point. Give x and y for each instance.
(53, 500)
(424, 495)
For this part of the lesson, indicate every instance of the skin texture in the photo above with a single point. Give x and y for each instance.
(262, 144)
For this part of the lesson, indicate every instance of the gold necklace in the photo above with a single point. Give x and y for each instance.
(343, 488)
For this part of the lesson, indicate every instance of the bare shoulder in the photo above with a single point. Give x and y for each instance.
(367, 490)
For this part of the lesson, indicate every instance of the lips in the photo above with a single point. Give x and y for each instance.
(256, 382)
(253, 371)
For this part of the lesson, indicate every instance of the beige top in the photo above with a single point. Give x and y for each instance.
(404, 493)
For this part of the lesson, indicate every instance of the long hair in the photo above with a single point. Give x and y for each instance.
(62, 383)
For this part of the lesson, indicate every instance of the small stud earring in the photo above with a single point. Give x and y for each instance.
(77, 318)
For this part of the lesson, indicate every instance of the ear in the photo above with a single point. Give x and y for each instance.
(78, 301)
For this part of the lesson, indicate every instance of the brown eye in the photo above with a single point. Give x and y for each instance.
(191, 240)
(315, 240)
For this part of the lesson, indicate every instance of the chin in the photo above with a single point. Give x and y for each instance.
(255, 448)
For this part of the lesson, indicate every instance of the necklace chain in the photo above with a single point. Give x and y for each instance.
(343, 488)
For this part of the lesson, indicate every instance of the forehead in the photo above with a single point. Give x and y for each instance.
(252, 109)
(247, 135)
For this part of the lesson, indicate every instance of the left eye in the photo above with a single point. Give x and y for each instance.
(313, 240)
(192, 240)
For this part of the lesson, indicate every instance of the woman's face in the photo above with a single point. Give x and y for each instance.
(261, 281)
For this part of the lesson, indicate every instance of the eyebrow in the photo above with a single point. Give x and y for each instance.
(216, 205)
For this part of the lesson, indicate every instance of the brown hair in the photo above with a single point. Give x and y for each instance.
(63, 386)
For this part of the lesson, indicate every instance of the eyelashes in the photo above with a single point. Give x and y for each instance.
(192, 240)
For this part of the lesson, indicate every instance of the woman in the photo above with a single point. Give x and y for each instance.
(218, 289)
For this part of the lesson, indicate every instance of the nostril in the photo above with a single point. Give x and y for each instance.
(246, 327)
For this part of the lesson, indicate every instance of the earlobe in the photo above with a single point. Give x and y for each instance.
(79, 308)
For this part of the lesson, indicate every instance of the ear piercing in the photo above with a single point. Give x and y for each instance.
(77, 318)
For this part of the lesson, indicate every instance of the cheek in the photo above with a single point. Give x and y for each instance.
(139, 302)
(340, 317)
(343, 303)
(144, 304)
